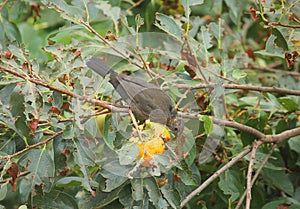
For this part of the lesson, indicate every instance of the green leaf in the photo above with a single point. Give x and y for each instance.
(288, 103)
(271, 49)
(39, 163)
(137, 189)
(186, 176)
(217, 30)
(171, 195)
(167, 24)
(236, 9)
(10, 30)
(231, 184)
(126, 198)
(187, 3)
(108, 135)
(3, 191)
(293, 204)
(294, 144)
(109, 11)
(280, 40)
(101, 199)
(208, 124)
(112, 181)
(69, 181)
(127, 154)
(55, 199)
(154, 193)
(238, 74)
(279, 179)
(69, 12)
(83, 159)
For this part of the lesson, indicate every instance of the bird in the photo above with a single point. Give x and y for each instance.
(146, 100)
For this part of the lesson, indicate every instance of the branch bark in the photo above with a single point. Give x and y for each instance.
(214, 176)
(31, 146)
(243, 87)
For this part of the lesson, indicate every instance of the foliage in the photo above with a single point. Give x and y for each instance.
(230, 66)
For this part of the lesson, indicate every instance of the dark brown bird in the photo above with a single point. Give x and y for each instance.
(146, 100)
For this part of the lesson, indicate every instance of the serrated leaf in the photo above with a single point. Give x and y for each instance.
(109, 11)
(137, 189)
(39, 163)
(186, 176)
(69, 12)
(112, 181)
(101, 199)
(171, 195)
(187, 3)
(154, 193)
(167, 24)
(55, 199)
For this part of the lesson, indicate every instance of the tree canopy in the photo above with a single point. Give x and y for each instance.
(231, 67)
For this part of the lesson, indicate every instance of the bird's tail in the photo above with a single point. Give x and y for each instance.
(99, 66)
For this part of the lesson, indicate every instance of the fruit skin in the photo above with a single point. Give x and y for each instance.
(154, 137)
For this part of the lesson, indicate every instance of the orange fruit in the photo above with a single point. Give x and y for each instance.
(154, 137)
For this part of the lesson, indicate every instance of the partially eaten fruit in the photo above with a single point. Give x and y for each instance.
(154, 136)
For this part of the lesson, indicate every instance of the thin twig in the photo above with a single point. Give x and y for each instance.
(124, 55)
(215, 175)
(72, 94)
(227, 123)
(256, 174)
(31, 146)
(135, 5)
(242, 87)
(24, 173)
(135, 125)
(270, 69)
(283, 25)
(3, 5)
(256, 144)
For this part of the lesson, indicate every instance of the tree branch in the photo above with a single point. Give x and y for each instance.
(256, 175)
(31, 146)
(124, 55)
(24, 173)
(84, 98)
(214, 176)
(282, 136)
(243, 87)
(255, 146)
